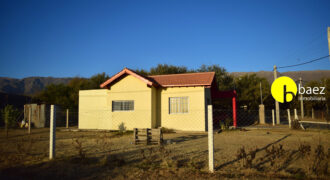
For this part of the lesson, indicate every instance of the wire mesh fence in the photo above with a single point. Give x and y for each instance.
(232, 149)
(40, 117)
(318, 115)
(194, 120)
(224, 117)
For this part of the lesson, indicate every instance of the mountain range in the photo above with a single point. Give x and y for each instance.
(33, 85)
(29, 85)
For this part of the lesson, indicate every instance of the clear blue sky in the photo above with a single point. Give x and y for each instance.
(82, 38)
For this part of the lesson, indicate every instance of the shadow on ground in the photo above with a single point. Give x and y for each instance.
(258, 150)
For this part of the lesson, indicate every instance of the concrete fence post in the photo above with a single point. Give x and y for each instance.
(278, 116)
(67, 118)
(52, 135)
(289, 118)
(295, 114)
(30, 117)
(273, 117)
(261, 114)
(210, 138)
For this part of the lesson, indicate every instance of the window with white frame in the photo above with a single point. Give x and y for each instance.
(123, 105)
(178, 105)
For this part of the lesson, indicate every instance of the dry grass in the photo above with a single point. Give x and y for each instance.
(281, 153)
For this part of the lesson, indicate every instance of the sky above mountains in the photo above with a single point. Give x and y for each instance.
(82, 38)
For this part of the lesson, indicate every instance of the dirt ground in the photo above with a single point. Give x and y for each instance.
(257, 153)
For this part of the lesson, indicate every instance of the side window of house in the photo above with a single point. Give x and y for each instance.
(178, 105)
(123, 105)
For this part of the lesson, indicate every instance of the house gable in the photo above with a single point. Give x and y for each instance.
(128, 83)
(123, 73)
(130, 88)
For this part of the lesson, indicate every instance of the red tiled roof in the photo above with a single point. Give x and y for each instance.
(187, 79)
(169, 80)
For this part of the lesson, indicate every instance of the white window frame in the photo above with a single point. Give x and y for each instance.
(179, 108)
(121, 101)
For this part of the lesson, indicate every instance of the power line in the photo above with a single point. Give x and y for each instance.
(318, 59)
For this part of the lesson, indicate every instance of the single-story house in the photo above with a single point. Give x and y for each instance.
(129, 100)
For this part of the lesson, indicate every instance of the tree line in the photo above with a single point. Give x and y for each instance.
(246, 86)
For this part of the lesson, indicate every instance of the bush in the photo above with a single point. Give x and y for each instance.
(295, 124)
(167, 130)
(9, 115)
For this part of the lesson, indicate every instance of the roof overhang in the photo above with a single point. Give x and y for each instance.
(188, 85)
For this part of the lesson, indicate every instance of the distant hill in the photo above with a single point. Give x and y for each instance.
(28, 86)
(32, 85)
(295, 75)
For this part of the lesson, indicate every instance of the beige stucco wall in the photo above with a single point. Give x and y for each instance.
(151, 107)
(131, 88)
(95, 106)
(194, 120)
(154, 107)
(92, 106)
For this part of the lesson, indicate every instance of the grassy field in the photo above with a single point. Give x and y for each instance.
(276, 153)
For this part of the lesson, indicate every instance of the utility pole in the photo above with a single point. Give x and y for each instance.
(301, 100)
(277, 106)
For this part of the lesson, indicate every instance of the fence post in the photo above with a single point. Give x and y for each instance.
(295, 114)
(273, 117)
(210, 138)
(135, 135)
(67, 118)
(289, 118)
(261, 114)
(312, 113)
(52, 135)
(30, 117)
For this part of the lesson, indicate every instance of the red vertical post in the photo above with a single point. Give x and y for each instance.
(234, 111)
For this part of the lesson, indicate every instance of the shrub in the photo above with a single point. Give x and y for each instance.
(246, 158)
(320, 163)
(78, 145)
(9, 116)
(122, 127)
(167, 130)
(226, 124)
(295, 124)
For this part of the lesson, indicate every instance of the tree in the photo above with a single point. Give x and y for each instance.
(224, 80)
(57, 94)
(142, 72)
(248, 91)
(9, 115)
(319, 104)
(97, 79)
(67, 95)
(167, 69)
(77, 84)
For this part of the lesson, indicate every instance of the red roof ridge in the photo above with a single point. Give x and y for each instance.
(181, 74)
